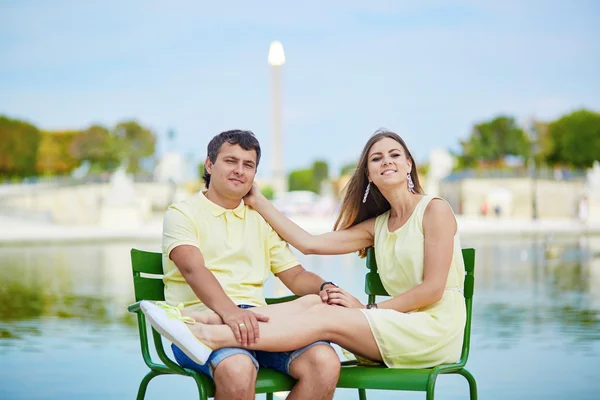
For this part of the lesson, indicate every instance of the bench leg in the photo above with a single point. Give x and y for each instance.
(472, 383)
(362, 394)
(144, 384)
(201, 389)
(431, 386)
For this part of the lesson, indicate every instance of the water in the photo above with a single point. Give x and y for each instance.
(65, 332)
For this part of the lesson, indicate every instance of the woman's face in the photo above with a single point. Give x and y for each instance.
(387, 163)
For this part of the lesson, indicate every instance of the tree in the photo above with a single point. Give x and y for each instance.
(301, 179)
(320, 173)
(543, 141)
(54, 153)
(309, 178)
(348, 169)
(575, 139)
(201, 171)
(423, 169)
(99, 147)
(138, 144)
(490, 142)
(19, 142)
(268, 192)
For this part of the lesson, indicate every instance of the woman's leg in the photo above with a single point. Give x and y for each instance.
(298, 325)
(204, 317)
(290, 307)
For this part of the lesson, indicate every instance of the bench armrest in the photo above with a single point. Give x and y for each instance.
(278, 300)
(133, 308)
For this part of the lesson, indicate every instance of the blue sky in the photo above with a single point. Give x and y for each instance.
(427, 70)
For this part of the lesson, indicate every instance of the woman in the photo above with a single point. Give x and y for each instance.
(419, 261)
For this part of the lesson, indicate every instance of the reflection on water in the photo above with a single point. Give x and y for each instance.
(85, 283)
(535, 299)
(539, 287)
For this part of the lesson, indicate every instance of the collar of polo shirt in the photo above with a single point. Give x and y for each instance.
(217, 210)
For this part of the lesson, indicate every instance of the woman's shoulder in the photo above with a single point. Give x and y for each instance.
(438, 212)
(436, 204)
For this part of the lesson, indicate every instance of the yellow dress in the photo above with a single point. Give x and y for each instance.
(428, 336)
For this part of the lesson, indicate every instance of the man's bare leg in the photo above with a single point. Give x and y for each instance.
(235, 378)
(317, 371)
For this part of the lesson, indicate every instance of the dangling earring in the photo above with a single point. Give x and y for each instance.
(411, 185)
(367, 192)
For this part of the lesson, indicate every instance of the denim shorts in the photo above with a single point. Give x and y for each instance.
(279, 361)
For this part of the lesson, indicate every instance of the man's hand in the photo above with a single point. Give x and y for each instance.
(339, 297)
(253, 196)
(244, 324)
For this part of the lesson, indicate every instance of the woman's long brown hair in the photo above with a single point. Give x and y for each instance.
(353, 211)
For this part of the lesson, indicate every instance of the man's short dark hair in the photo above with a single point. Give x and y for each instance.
(245, 139)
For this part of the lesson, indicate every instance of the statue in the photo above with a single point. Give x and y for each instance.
(590, 202)
(441, 163)
(121, 207)
(592, 179)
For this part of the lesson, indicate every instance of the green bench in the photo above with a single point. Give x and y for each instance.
(148, 285)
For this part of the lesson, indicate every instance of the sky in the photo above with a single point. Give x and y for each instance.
(426, 70)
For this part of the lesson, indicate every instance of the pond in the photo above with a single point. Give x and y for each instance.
(65, 332)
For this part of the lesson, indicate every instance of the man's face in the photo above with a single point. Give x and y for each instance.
(233, 172)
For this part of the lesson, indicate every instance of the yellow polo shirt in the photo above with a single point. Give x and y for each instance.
(239, 247)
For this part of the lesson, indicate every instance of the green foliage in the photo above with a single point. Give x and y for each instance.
(575, 139)
(423, 169)
(25, 151)
(491, 141)
(19, 142)
(542, 148)
(348, 169)
(310, 178)
(268, 192)
(54, 153)
(301, 179)
(138, 143)
(200, 171)
(98, 146)
(320, 173)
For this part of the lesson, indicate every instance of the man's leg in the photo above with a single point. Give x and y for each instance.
(232, 369)
(317, 370)
(235, 378)
(316, 367)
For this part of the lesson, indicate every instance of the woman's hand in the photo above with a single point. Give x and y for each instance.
(254, 196)
(339, 297)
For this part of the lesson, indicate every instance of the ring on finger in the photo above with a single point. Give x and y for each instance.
(242, 325)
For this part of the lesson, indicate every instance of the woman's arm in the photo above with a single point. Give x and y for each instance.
(344, 241)
(439, 228)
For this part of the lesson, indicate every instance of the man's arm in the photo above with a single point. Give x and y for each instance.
(243, 323)
(302, 282)
(190, 262)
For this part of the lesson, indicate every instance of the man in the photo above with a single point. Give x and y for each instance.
(217, 254)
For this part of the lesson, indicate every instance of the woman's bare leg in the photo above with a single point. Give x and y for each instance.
(290, 307)
(300, 326)
(204, 317)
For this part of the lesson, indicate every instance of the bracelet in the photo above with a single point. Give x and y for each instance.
(326, 283)
(371, 306)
